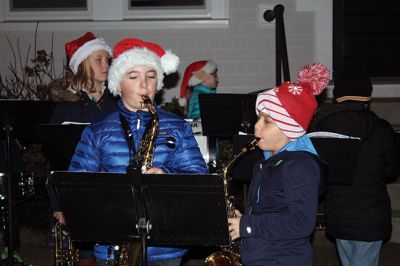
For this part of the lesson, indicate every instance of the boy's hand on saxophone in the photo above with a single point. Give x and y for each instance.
(59, 216)
(155, 170)
(234, 225)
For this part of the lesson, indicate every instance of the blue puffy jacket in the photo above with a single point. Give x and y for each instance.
(103, 148)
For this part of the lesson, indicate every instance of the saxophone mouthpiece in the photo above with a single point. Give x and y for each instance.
(146, 101)
(251, 145)
(254, 141)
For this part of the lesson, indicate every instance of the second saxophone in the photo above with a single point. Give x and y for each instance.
(229, 256)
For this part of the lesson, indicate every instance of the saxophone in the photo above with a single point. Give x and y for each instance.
(64, 252)
(144, 156)
(128, 254)
(229, 256)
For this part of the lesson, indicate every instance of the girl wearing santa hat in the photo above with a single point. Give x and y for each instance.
(110, 145)
(282, 198)
(199, 77)
(87, 98)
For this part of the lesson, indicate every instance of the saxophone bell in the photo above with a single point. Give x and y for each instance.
(64, 252)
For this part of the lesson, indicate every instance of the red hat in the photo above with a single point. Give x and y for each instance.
(196, 73)
(133, 52)
(77, 50)
(292, 104)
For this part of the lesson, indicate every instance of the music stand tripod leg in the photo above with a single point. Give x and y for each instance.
(143, 226)
(9, 223)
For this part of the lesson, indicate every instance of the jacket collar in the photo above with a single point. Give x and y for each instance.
(131, 115)
(301, 144)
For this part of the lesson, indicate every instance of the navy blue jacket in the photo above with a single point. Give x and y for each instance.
(281, 211)
(103, 148)
(85, 110)
(81, 109)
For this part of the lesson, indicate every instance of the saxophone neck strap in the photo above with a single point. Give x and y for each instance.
(130, 140)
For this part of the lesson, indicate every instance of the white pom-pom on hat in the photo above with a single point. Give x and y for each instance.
(169, 62)
(182, 102)
(316, 74)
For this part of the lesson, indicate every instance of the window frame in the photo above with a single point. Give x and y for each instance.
(43, 15)
(213, 10)
(99, 11)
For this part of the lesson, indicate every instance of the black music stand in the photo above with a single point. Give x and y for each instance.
(243, 170)
(18, 120)
(59, 142)
(171, 210)
(339, 154)
(340, 157)
(23, 116)
(281, 54)
(225, 114)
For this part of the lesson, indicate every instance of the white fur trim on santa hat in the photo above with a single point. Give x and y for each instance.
(129, 59)
(85, 50)
(193, 81)
(268, 102)
(208, 68)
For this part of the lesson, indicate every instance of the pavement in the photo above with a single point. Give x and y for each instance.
(34, 251)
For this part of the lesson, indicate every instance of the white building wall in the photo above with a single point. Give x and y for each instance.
(244, 50)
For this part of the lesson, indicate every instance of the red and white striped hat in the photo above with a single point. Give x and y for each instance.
(292, 104)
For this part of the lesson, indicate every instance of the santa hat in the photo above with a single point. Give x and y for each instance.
(77, 50)
(133, 52)
(292, 104)
(195, 74)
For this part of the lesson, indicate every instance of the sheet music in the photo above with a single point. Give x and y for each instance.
(73, 123)
(196, 126)
(326, 134)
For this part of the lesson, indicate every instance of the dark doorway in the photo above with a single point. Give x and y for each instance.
(367, 33)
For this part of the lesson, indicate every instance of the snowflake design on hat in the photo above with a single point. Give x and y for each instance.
(295, 89)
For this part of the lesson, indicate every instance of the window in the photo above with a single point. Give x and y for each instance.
(364, 33)
(167, 3)
(177, 9)
(47, 5)
(39, 10)
(114, 10)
